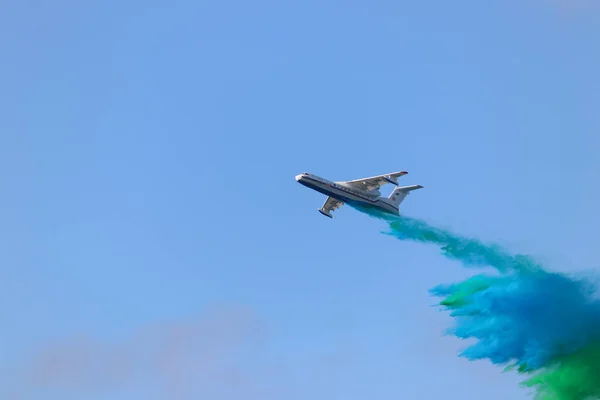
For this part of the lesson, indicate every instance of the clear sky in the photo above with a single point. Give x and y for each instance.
(155, 245)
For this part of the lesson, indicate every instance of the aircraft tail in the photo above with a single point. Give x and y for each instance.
(400, 193)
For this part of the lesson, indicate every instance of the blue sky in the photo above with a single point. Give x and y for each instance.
(154, 243)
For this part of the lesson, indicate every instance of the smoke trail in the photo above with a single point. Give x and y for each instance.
(541, 324)
(470, 252)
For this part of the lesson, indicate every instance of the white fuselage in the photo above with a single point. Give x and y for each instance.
(346, 193)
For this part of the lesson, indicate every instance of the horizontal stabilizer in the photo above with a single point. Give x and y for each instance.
(409, 188)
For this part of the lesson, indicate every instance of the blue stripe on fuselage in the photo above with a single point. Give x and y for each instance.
(307, 182)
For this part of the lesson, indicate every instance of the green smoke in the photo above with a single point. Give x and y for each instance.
(573, 377)
(543, 325)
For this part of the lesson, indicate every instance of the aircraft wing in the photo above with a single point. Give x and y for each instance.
(330, 205)
(375, 182)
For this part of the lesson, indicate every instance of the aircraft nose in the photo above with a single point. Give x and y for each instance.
(298, 177)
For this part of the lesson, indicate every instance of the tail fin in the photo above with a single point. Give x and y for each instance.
(400, 193)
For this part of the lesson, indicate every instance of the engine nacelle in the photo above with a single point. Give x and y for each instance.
(375, 192)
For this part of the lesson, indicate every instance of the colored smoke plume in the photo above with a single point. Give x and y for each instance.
(544, 325)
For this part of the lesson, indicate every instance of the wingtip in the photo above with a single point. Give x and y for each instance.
(325, 214)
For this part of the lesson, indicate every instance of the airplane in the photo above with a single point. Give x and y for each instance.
(362, 192)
